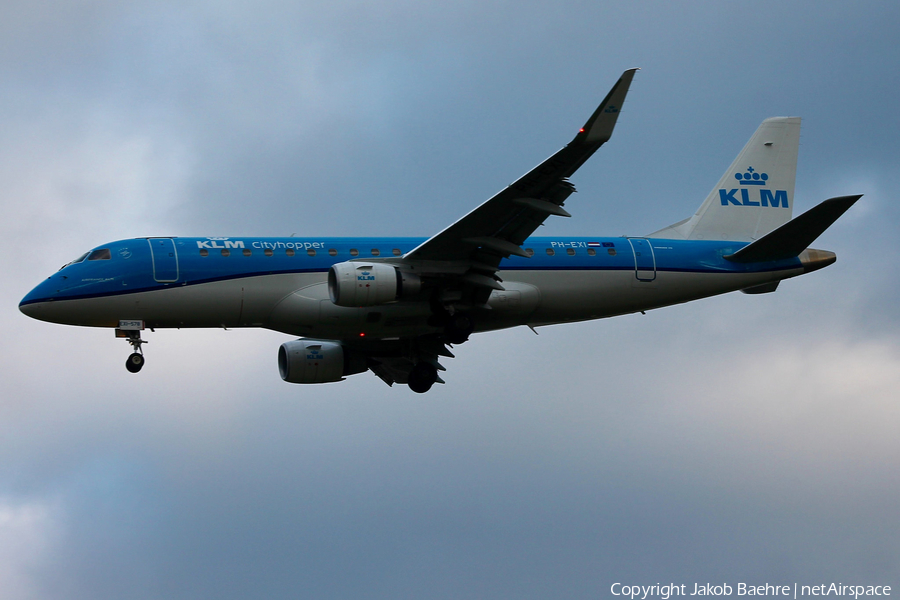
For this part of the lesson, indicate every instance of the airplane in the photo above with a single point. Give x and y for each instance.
(395, 306)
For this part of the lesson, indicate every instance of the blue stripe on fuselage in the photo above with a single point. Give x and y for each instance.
(130, 269)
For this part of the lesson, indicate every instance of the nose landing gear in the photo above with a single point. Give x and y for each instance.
(135, 361)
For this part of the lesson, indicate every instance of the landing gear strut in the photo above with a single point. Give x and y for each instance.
(422, 377)
(135, 361)
(458, 328)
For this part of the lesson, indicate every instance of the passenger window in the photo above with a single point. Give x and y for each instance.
(612, 251)
(289, 251)
(570, 251)
(376, 252)
(396, 251)
(247, 252)
(332, 252)
(550, 252)
(226, 252)
(311, 251)
(592, 252)
(354, 252)
(268, 252)
(529, 251)
(204, 252)
(102, 254)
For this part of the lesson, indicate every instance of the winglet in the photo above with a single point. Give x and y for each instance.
(796, 235)
(599, 127)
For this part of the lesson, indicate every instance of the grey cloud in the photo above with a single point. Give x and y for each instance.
(736, 437)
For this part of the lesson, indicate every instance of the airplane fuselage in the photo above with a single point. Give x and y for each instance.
(280, 283)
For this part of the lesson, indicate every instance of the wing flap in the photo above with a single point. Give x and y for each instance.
(543, 206)
(393, 360)
(497, 244)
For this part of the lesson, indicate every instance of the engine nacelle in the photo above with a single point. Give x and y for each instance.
(315, 361)
(355, 284)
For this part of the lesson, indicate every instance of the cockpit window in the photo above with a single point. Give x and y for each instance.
(101, 254)
(77, 260)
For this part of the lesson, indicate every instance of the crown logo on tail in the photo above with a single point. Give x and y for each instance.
(752, 177)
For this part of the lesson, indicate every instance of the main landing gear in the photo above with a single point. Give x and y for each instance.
(422, 377)
(135, 361)
(458, 328)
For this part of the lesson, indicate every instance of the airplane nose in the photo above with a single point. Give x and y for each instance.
(35, 303)
(32, 309)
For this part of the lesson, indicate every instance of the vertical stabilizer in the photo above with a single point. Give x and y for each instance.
(756, 193)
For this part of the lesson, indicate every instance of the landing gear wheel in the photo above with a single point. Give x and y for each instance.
(422, 377)
(459, 328)
(134, 363)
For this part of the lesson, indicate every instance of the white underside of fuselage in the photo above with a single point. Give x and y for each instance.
(298, 303)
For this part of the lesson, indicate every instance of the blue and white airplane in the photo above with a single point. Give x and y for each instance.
(394, 306)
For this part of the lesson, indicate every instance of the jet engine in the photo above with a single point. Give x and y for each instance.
(315, 361)
(355, 284)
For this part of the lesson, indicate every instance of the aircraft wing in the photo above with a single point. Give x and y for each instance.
(496, 229)
(460, 263)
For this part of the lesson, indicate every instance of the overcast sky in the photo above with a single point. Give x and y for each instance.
(739, 438)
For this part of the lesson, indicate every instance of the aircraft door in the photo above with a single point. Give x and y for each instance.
(165, 259)
(644, 260)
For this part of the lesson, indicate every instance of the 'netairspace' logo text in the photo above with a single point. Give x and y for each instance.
(664, 592)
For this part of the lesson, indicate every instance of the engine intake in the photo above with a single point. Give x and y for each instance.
(355, 284)
(315, 361)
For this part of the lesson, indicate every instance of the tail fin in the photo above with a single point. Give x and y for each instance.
(756, 193)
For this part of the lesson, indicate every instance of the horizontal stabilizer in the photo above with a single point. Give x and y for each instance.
(796, 235)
